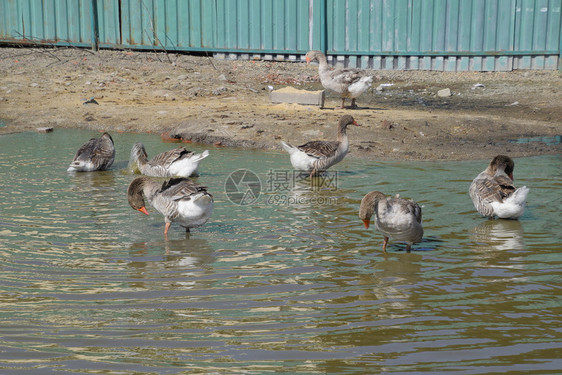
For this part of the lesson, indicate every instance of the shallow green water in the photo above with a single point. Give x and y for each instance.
(288, 283)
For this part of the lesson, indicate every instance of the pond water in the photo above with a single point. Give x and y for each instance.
(286, 280)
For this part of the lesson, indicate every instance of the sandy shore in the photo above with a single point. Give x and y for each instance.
(224, 102)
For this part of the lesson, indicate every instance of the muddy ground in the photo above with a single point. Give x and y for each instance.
(226, 103)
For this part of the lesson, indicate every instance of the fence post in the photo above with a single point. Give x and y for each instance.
(94, 24)
(560, 46)
(324, 26)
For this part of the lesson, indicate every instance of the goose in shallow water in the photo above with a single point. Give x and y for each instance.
(180, 200)
(174, 163)
(349, 83)
(493, 193)
(398, 218)
(316, 156)
(97, 154)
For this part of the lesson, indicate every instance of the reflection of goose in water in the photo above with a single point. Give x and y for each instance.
(499, 235)
(188, 258)
(104, 180)
(180, 259)
(299, 192)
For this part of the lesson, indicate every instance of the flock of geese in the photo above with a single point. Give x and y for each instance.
(183, 201)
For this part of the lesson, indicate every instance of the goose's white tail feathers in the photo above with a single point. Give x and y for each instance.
(289, 148)
(368, 80)
(186, 167)
(201, 156)
(513, 206)
(80, 165)
(360, 86)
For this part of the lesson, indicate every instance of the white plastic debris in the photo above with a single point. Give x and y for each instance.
(382, 86)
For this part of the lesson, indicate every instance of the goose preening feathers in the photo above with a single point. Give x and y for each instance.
(316, 156)
(493, 192)
(180, 200)
(97, 154)
(178, 162)
(349, 83)
(398, 218)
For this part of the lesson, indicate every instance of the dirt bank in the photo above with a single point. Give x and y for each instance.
(226, 102)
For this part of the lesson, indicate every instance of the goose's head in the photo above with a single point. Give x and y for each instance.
(344, 122)
(105, 136)
(367, 207)
(314, 55)
(134, 195)
(502, 163)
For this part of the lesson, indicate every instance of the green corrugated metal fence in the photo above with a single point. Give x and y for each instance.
(240, 26)
(380, 34)
(47, 21)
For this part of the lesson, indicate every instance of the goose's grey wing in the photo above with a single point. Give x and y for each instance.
(320, 149)
(346, 76)
(180, 188)
(166, 158)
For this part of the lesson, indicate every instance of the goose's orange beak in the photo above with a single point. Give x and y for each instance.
(355, 123)
(366, 222)
(308, 60)
(143, 210)
(511, 176)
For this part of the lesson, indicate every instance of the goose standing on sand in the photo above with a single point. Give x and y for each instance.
(349, 83)
(493, 192)
(174, 163)
(398, 218)
(316, 156)
(180, 200)
(97, 154)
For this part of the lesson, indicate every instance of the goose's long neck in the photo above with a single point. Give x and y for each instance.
(342, 137)
(138, 156)
(141, 158)
(367, 207)
(135, 163)
(140, 188)
(494, 171)
(149, 188)
(322, 63)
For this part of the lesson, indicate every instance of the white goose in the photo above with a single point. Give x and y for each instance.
(349, 83)
(316, 156)
(493, 193)
(97, 154)
(394, 217)
(173, 163)
(179, 200)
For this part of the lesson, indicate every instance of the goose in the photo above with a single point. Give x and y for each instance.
(349, 83)
(179, 199)
(394, 217)
(493, 193)
(97, 154)
(316, 156)
(173, 163)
